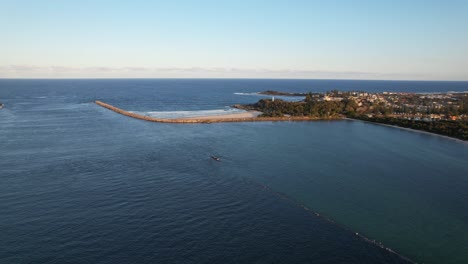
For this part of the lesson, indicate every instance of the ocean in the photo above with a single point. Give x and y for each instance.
(82, 184)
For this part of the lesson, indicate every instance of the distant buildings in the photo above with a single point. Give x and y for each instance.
(426, 107)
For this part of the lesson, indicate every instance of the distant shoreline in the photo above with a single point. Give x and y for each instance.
(251, 116)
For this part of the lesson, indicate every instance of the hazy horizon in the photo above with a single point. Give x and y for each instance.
(362, 40)
(221, 78)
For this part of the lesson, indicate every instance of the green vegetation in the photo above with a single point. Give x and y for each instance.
(456, 129)
(279, 108)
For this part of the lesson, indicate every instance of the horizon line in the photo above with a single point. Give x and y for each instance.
(223, 78)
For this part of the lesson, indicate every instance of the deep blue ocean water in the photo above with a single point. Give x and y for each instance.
(81, 184)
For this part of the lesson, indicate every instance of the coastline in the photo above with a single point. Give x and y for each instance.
(411, 129)
(251, 116)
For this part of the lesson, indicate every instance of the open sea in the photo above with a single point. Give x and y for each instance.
(81, 184)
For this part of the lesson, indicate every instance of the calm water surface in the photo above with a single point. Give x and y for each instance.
(81, 184)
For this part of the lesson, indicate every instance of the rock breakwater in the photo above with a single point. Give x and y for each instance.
(214, 119)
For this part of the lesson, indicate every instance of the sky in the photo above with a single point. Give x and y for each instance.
(332, 39)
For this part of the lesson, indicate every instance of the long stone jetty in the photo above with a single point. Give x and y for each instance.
(218, 119)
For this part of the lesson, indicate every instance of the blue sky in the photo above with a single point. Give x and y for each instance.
(412, 39)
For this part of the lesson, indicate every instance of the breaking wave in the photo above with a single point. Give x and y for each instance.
(256, 93)
(182, 114)
(282, 97)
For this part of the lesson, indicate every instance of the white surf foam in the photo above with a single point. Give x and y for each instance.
(183, 114)
(282, 97)
(256, 93)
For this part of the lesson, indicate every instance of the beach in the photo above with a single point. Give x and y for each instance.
(411, 129)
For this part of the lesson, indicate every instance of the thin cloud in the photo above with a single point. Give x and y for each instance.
(57, 71)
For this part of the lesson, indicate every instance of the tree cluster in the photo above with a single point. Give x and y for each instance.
(321, 109)
(443, 127)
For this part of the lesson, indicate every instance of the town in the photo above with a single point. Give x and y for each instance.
(441, 113)
(412, 106)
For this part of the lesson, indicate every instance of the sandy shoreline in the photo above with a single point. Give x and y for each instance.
(412, 130)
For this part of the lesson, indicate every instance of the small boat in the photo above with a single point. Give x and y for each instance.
(1, 105)
(215, 158)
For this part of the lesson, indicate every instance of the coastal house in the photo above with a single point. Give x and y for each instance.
(330, 98)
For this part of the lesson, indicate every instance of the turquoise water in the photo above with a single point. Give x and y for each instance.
(405, 189)
(81, 184)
